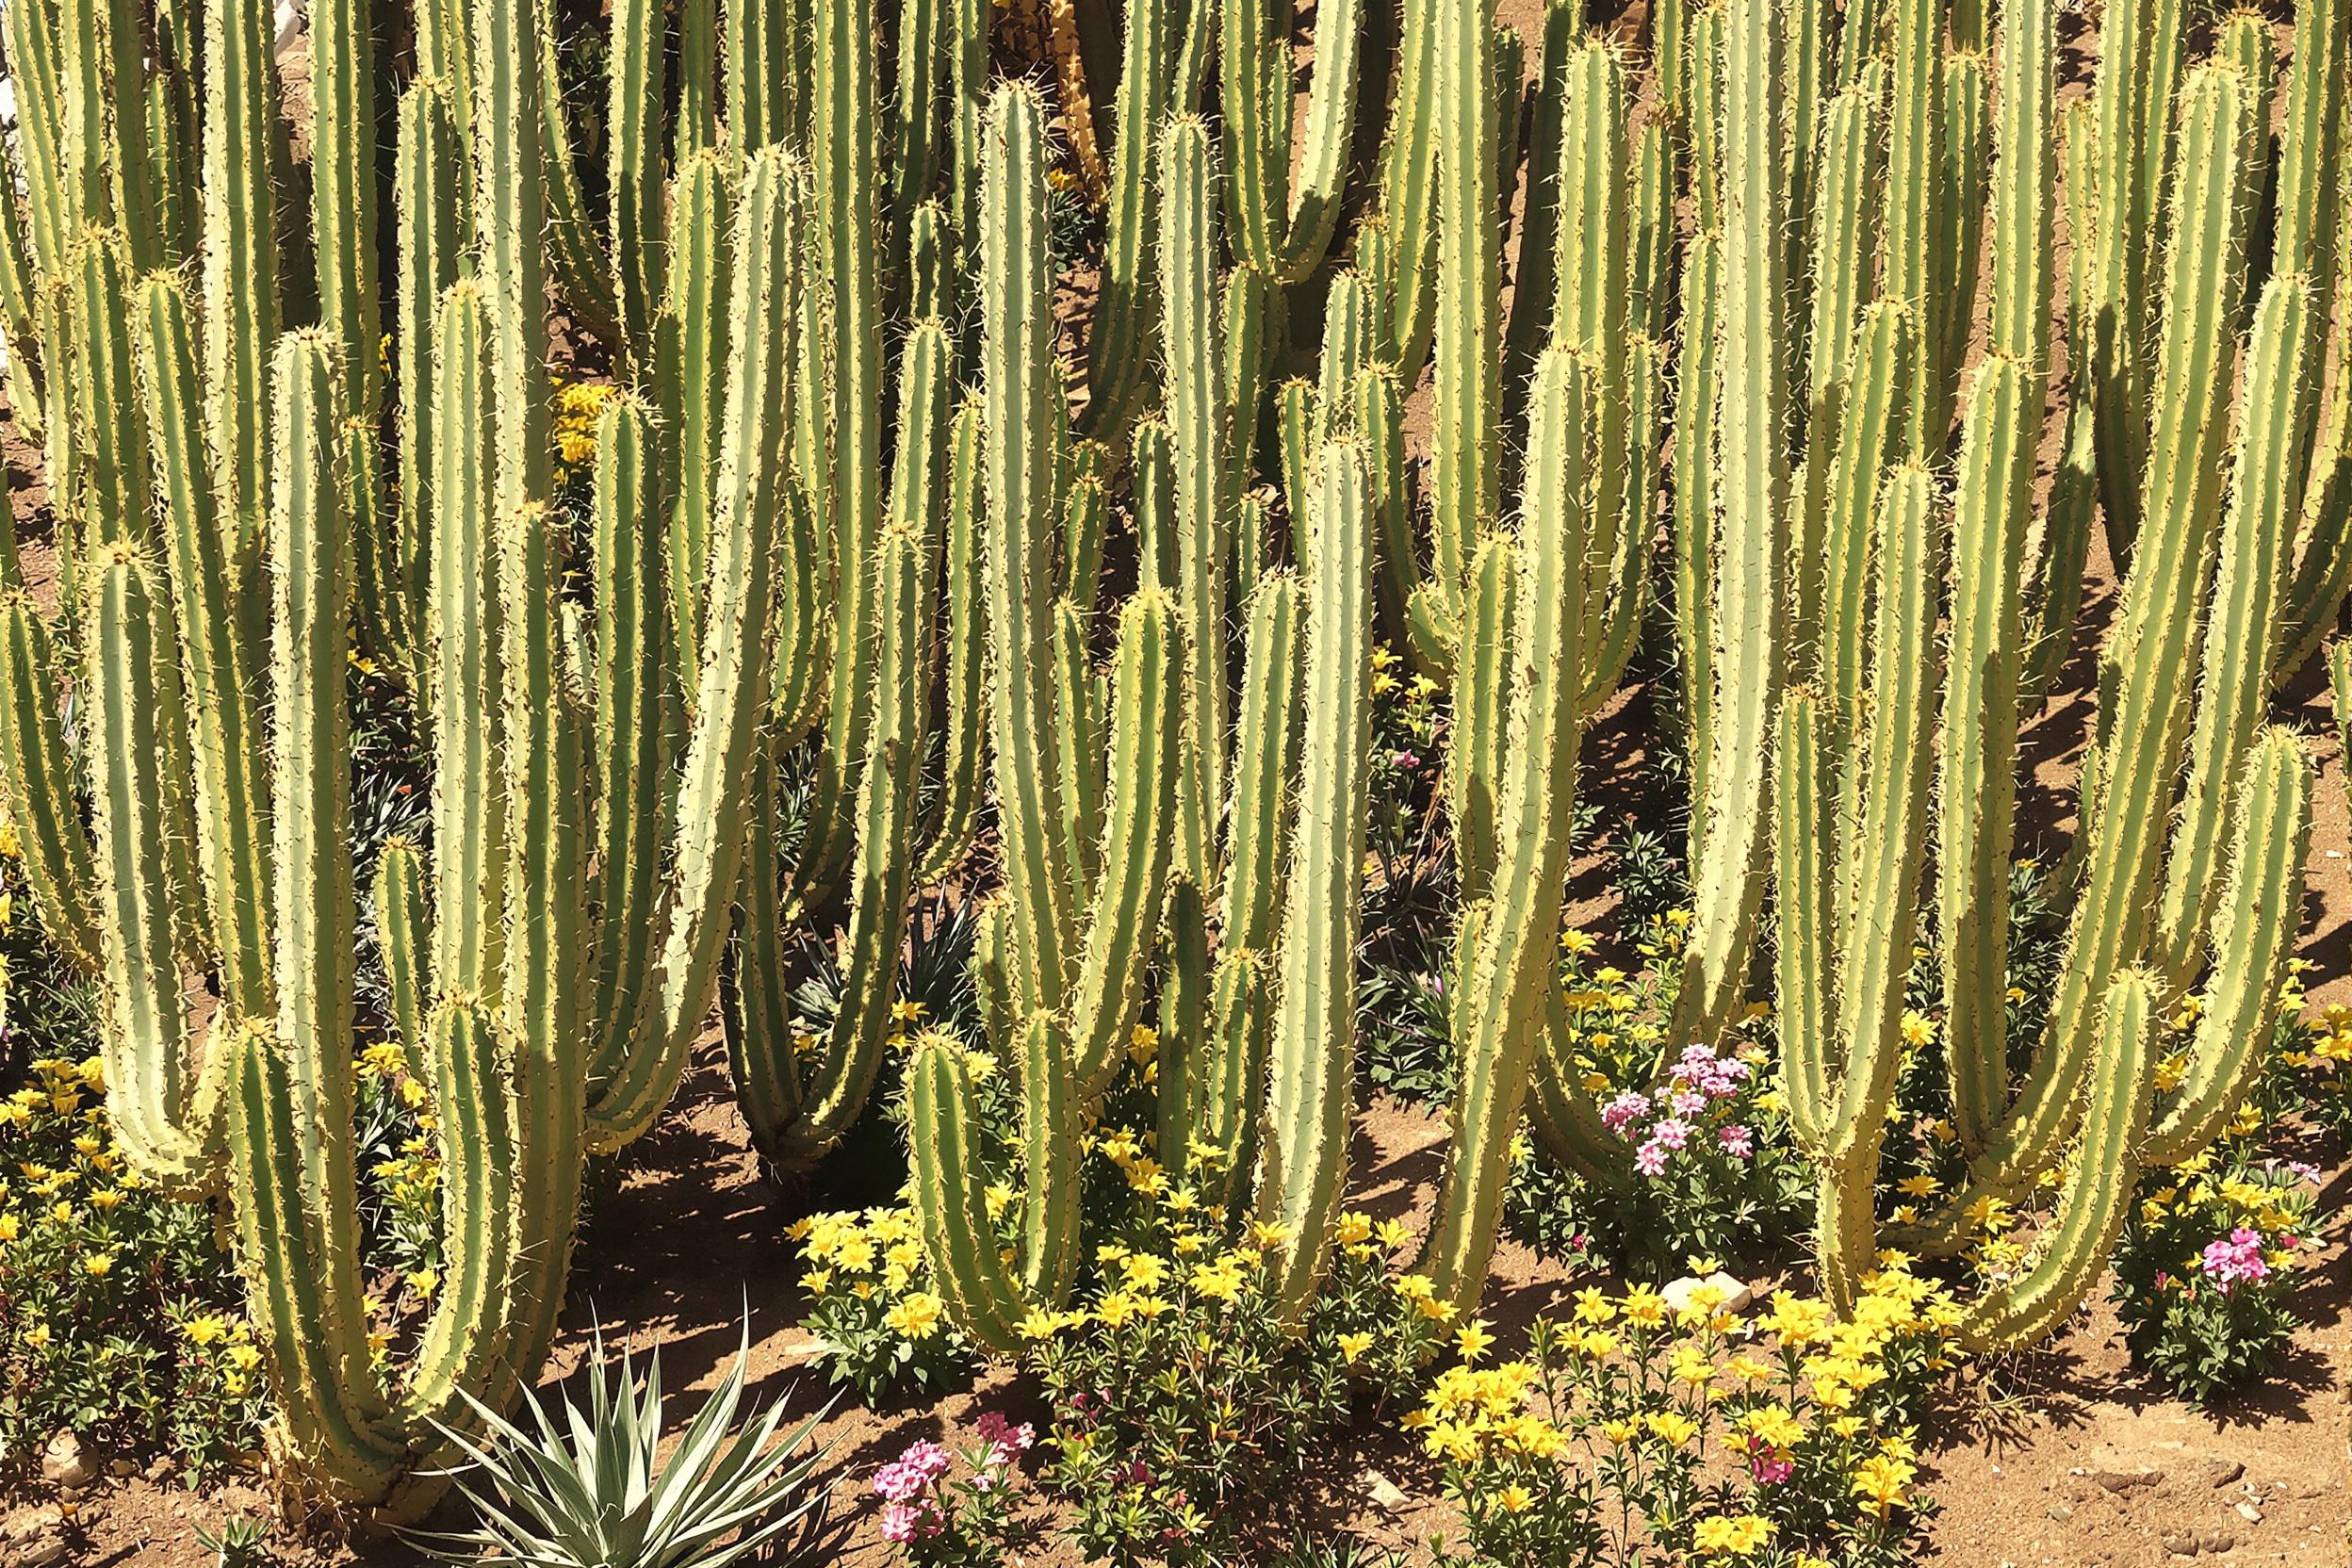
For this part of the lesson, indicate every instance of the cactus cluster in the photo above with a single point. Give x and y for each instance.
(1883, 609)
(846, 527)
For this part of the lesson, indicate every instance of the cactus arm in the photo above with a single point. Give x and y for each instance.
(1119, 353)
(1691, 459)
(2117, 296)
(636, 76)
(1078, 736)
(1804, 837)
(583, 270)
(1507, 980)
(1541, 286)
(2253, 926)
(1976, 779)
(1264, 756)
(888, 788)
(1404, 278)
(691, 381)
(117, 480)
(343, 201)
(631, 741)
(2234, 688)
(953, 829)
(32, 61)
(735, 681)
(1483, 696)
(511, 219)
(951, 1187)
(1466, 443)
(544, 907)
(468, 838)
(1965, 150)
(1918, 205)
(232, 802)
(1203, 489)
(1124, 910)
(242, 152)
(39, 787)
(427, 195)
(403, 931)
(1023, 418)
(1883, 855)
(1282, 228)
(1749, 538)
(2097, 1192)
(298, 1222)
(1311, 1036)
(168, 1123)
(1850, 184)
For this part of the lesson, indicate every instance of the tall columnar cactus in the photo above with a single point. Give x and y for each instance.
(486, 955)
(1271, 796)
(1069, 935)
(2188, 664)
(1281, 230)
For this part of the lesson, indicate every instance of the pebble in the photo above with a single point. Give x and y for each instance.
(2214, 1542)
(32, 1538)
(1384, 1493)
(2120, 1476)
(2248, 1512)
(2062, 1512)
(65, 1464)
(2218, 1470)
(2181, 1544)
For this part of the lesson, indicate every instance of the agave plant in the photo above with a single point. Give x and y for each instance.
(587, 1491)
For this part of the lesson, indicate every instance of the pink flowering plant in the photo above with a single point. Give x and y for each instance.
(1711, 1169)
(961, 1509)
(2208, 1266)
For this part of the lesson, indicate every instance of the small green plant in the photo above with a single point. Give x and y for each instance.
(1179, 1388)
(2206, 1266)
(241, 1542)
(587, 1491)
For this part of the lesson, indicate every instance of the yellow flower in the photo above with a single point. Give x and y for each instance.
(1515, 1498)
(97, 1263)
(10, 1226)
(37, 1337)
(907, 1010)
(244, 1356)
(1672, 1427)
(916, 1316)
(1354, 1228)
(1353, 1345)
(1880, 1479)
(1145, 1272)
(1922, 1186)
(1593, 1307)
(204, 1330)
(1918, 1029)
(424, 1281)
(1472, 1339)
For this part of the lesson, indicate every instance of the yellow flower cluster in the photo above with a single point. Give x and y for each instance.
(577, 405)
(868, 1250)
(234, 1339)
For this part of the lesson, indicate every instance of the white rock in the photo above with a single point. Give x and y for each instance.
(1735, 1295)
(1384, 1493)
(63, 1462)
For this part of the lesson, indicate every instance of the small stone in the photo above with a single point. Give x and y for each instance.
(2214, 1542)
(2218, 1470)
(2248, 1512)
(1731, 1295)
(1384, 1493)
(123, 1467)
(65, 1464)
(2060, 1511)
(2181, 1546)
(2120, 1475)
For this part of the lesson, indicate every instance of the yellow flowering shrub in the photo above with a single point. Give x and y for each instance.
(865, 1276)
(1630, 1430)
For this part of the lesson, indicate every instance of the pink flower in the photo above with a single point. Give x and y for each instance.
(1687, 1103)
(1650, 1159)
(1007, 1442)
(912, 1473)
(1624, 1111)
(1673, 1132)
(2236, 1259)
(1407, 760)
(1735, 1140)
(1767, 1464)
(907, 1523)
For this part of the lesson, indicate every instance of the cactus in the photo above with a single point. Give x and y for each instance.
(221, 788)
(2190, 661)
(1067, 947)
